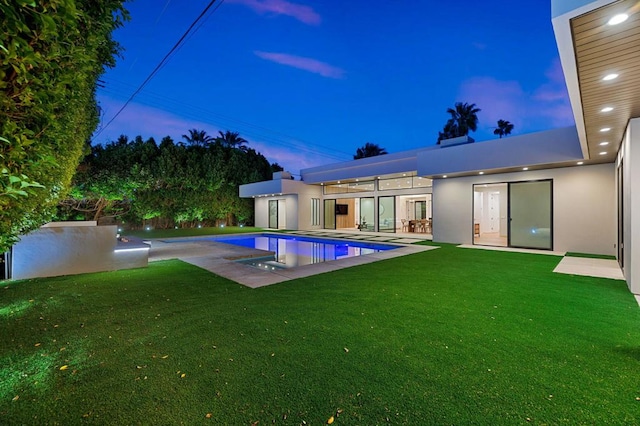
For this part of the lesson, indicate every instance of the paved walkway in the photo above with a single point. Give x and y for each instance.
(220, 259)
(590, 267)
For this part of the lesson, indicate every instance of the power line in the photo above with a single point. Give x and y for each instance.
(162, 62)
(189, 110)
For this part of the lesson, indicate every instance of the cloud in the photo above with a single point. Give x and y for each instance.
(300, 62)
(543, 107)
(302, 13)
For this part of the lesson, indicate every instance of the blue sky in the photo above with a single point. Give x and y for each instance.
(308, 82)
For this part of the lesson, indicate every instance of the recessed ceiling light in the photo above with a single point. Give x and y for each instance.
(444, 176)
(606, 109)
(604, 143)
(481, 173)
(605, 129)
(609, 77)
(603, 153)
(525, 168)
(580, 163)
(338, 181)
(618, 19)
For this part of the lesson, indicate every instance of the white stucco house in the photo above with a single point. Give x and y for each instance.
(571, 189)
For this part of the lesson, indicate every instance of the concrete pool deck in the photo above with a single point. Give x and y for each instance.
(220, 259)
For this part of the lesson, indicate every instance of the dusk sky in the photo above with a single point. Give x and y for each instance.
(308, 82)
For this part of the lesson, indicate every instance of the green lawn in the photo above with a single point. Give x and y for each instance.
(448, 336)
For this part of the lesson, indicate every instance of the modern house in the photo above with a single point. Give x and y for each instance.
(570, 189)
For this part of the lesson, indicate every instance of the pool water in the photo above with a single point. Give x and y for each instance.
(296, 251)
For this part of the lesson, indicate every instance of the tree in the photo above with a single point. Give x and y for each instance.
(232, 140)
(198, 138)
(464, 117)
(168, 185)
(369, 150)
(504, 128)
(52, 54)
(449, 131)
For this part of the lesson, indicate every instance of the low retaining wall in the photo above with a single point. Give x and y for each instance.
(68, 250)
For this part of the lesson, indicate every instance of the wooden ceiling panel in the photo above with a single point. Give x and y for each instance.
(601, 49)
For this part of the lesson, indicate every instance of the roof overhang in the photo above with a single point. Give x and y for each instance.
(365, 168)
(551, 148)
(275, 187)
(589, 50)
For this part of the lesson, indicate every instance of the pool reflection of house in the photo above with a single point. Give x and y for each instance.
(569, 189)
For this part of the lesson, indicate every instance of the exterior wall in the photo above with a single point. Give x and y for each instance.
(630, 154)
(584, 211)
(303, 215)
(261, 213)
(290, 203)
(69, 250)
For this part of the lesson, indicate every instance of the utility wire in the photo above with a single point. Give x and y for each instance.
(162, 62)
(205, 115)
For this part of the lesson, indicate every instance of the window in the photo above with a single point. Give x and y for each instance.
(404, 183)
(343, 188)
(315, 212)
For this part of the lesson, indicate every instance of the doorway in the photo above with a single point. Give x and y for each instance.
(514, 214)
(490, 226)
(620, 177)
(277, 214)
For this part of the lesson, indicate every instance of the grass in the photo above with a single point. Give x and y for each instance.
(448, 336)
(590, 256)
(189, 232)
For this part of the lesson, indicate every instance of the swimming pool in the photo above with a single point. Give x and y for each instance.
(292, 251)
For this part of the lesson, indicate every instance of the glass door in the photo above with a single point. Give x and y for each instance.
(273, 214)
(329, 214)
(531, 214)
(387, 214)
(367, 214)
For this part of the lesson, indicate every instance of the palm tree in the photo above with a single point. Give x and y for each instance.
(198, 138)
(464, 117)
(232, 140)
(369, 150)
(504, 128)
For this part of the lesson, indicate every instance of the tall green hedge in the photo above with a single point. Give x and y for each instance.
(51, 56)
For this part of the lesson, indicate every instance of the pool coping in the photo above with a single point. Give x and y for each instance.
(220, 258)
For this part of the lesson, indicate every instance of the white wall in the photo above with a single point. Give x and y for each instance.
(297, 206)
(584, 211)
(68, 250)
(630, 153)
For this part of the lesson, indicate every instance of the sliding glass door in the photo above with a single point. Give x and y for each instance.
(367, 214)
(530, 215)
(329, 214)
(514, 214)
(387, 214)
(273, 214)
